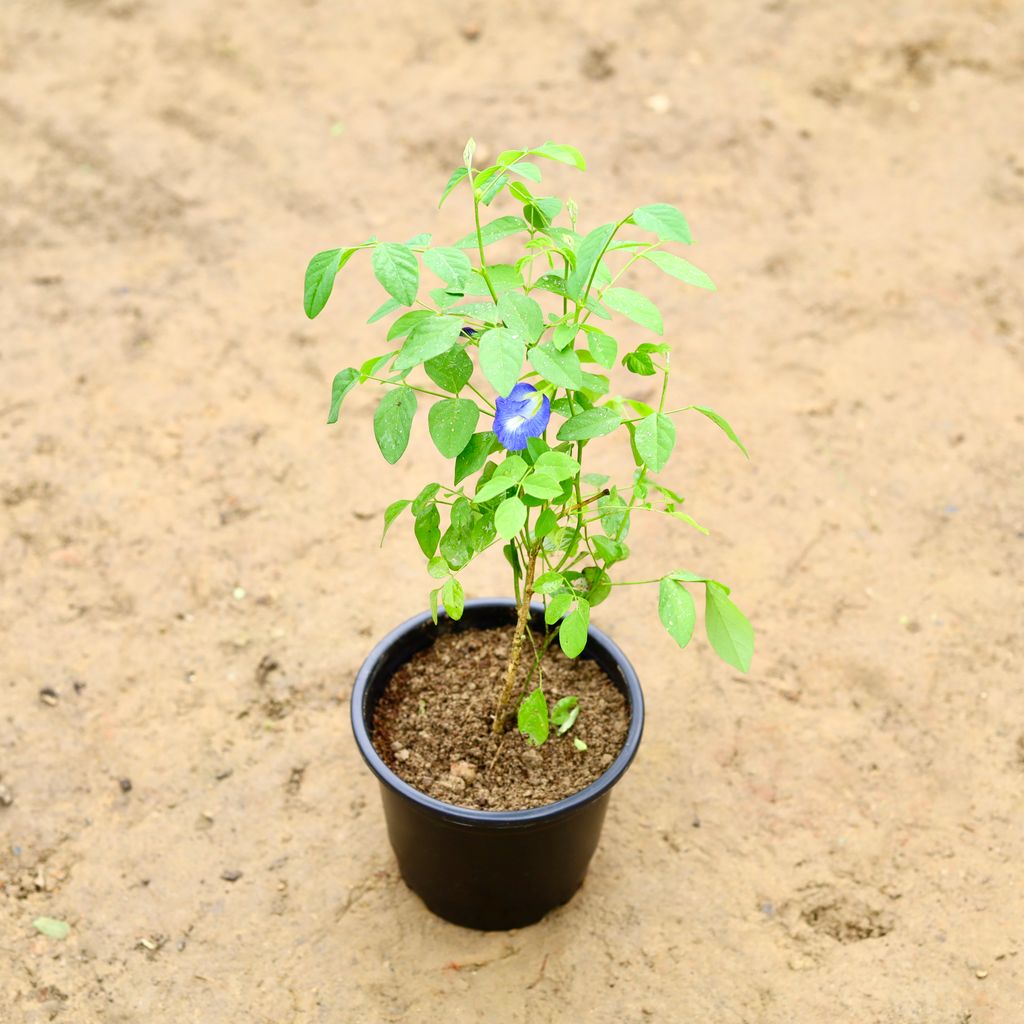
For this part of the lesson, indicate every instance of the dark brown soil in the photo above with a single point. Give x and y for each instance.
(432, 726)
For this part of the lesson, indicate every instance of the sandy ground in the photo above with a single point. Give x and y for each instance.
(837, 837)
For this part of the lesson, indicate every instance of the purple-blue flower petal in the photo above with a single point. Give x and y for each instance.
(520, 416)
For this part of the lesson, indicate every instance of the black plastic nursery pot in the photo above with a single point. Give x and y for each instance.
(489, 869)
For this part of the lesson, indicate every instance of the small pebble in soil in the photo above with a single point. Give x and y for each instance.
(125, 784)
(48, 695)
(6, 796)
(402, 754)
(464, 770)
(231, 875)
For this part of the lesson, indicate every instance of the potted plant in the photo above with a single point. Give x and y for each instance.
(496, 748)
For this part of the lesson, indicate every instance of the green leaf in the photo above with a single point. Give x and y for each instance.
(549, 583)
(564, 335)
(522, 315)
(603, 347)
(572, 633)
(388, 306)
(655, 438)
(676, 610)
(723, 424)
(472, 458)
(437, 567)
(424, 499)
(450, 264)
(320, 274)
(565, 713)
(456, 542)
(496, 485)
(454, 598)
(501, 358)
(451, 370)
(546, 522)
(526, 169)
(514, 466)
(590, 423)
(689, 520)
(558, 465)
(680, 269)
(53, 928)
(557, 607)
(599, 585)
(407, 321)
(427, 529)
(637, 307)
(457, 175)
(588, 254)
(468, 151)
(452, 422)
(563, 154)
(433, 604)
(343, 383)
(542, 486)
(727, 627)
(614, 516)
(504, 278)
(392, 422)
(395, 266)
(665, 221)
(559, 368)
(578, 743)
(532, 719)
(494, 186)
(483, 533)
(541, 211)
(429, 338)
(608, 550)
(639, 363)
(391, 513)
(510, 517)
(495, 231)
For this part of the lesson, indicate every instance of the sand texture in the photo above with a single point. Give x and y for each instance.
(189, 556)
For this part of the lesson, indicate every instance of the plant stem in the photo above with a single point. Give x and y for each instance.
(522, 623)
(422, 391)
(480, 243)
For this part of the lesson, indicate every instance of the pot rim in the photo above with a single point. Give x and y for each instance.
(470, 816)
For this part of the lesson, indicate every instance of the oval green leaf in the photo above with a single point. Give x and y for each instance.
(676, 610)
(398, 271)
(559, 368)
(655, 437)
(572, 633)
(532, 719)
(729, 632)
(510, 517)
(501, 358)
(392, 422)
(637, 307)
(452, 422)
(665, 221)
(428, 339)
(588, 424)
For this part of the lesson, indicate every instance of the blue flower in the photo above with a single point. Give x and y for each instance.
(524, 414)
